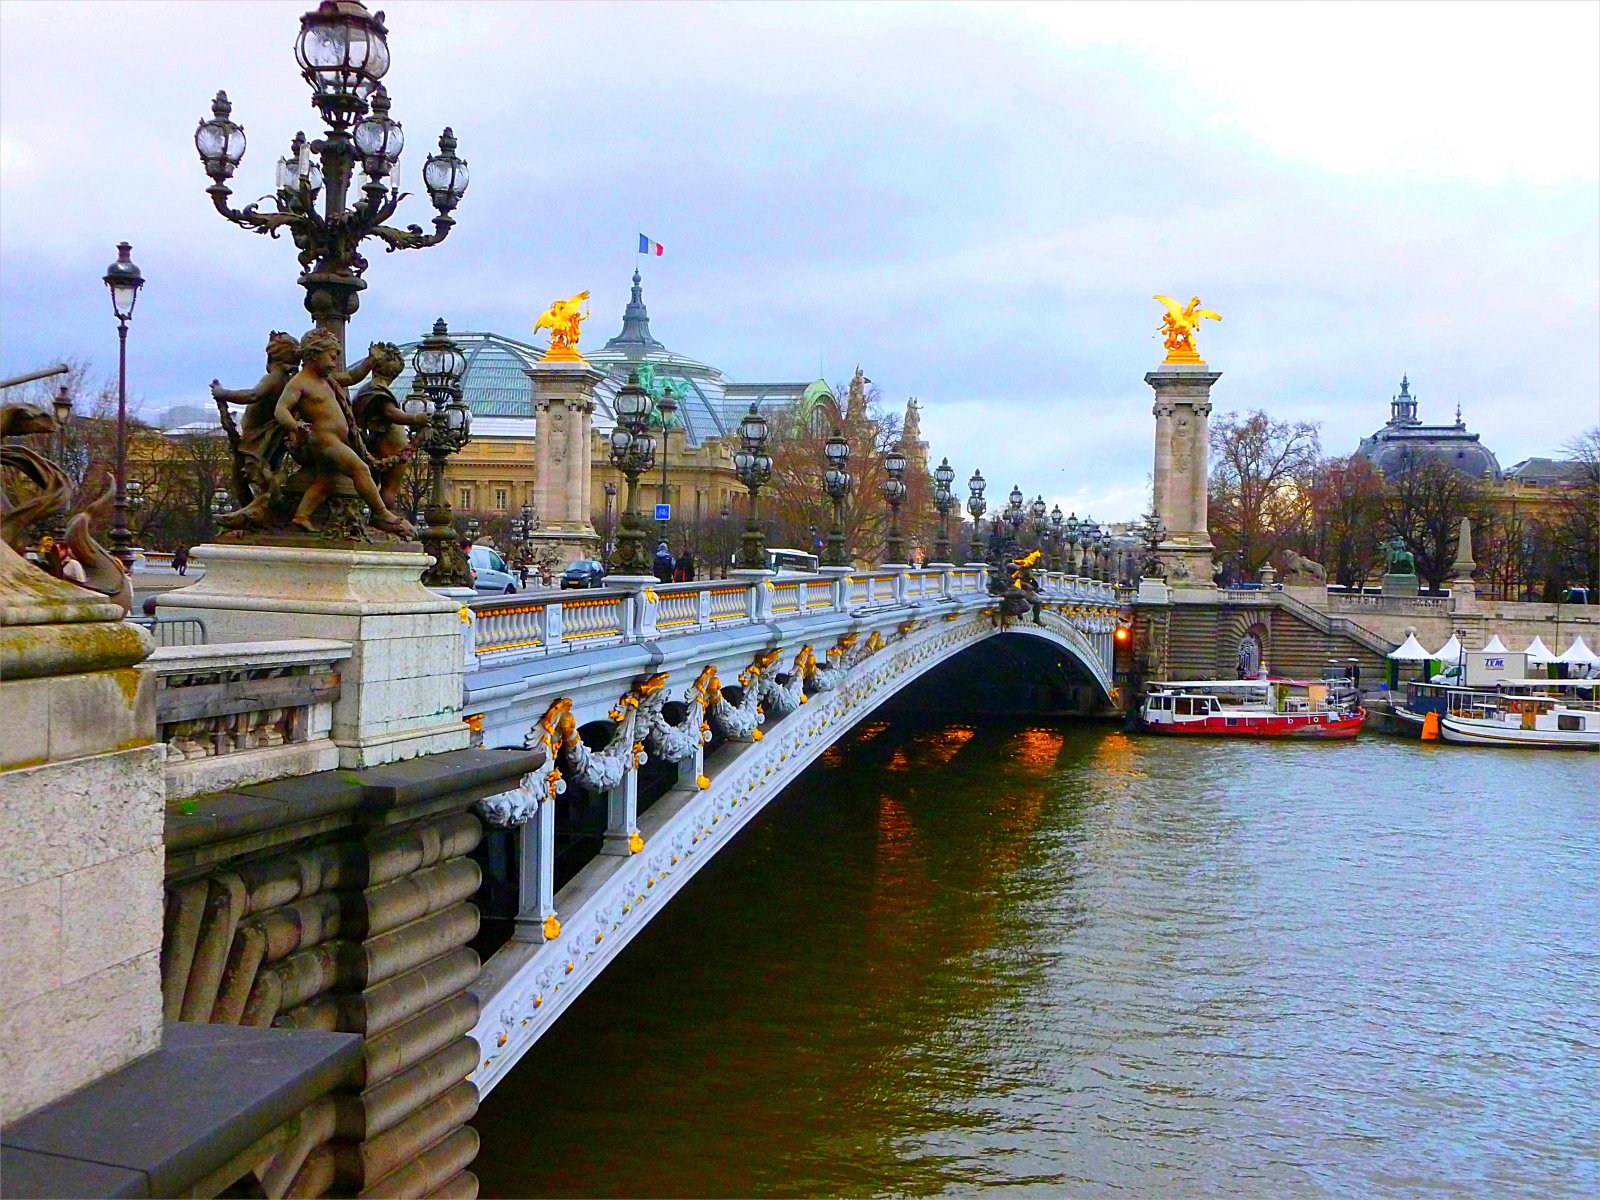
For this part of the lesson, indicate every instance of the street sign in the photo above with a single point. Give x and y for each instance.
(663, 512)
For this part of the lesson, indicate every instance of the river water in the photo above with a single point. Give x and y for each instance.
(1059, 961)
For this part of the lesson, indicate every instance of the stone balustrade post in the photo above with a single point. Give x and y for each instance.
(622, 816)
(469, 638)
(553, 625)
(536, 874)
(703, 609)
(839, 580)
(758, 599)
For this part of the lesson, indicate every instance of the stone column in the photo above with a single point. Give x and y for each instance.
(81, 860)
(622, 816)
(1182, 468)
(563, 405)
(1463, 589)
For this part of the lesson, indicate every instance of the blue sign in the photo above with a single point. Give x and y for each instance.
(663, 512)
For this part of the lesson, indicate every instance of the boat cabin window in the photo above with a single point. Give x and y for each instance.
(1185, 706)
(1568, 723)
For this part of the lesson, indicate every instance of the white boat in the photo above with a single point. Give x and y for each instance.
(1547, 714)
(1254, 708)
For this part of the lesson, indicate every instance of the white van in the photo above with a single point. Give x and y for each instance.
(791, 562)
(489, 571)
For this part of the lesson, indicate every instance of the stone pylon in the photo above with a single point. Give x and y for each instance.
(1182, 470)
(563, 406)
(1463, 590)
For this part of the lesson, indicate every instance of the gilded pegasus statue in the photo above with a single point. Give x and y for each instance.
(1178, 329)
(562, 319)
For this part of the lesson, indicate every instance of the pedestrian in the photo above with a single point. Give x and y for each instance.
(685, 571)
(522, 574)
(180, 560)
(664, 563)
(71, 568)
(545, 578)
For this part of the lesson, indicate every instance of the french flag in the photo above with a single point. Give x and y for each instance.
(646, 246)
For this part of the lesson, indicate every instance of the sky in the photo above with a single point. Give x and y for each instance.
(975, 203)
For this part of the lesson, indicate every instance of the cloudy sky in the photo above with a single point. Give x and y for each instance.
(974, 202)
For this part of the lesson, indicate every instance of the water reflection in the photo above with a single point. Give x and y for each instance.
(1064, 961)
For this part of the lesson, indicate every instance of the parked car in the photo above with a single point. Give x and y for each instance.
(584, 573)
(791, 562)
(489, 571)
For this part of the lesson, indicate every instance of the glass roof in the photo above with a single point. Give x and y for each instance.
(494, 384)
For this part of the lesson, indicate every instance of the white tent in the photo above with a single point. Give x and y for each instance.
(1578, 655)
(1495, 646)
(1538, 653)
(1449, 653)
(1409, 650)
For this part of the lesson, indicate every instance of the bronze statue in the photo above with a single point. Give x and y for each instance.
(315, 410)
(52, 492)
(1401, 560)
(1178, 328)
(384, 422)
(260, 463)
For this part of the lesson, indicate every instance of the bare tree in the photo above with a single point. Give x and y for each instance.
(1258, 501)
(1347, 517)
(1424, 506)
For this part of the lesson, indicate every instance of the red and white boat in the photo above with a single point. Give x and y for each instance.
(1255, 708)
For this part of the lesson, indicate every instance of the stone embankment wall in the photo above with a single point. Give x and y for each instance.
(1515, 624)
(343, 902)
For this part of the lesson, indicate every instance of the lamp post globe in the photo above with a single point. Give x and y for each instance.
(754, 467)
(342, 51)
(633, 452)
(123, 280)
(894, 491)
(976, 506)
(437, 366)
(1056, 534)
(836, 483)
(943, 500)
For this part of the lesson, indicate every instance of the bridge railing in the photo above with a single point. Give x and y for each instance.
(504, 629)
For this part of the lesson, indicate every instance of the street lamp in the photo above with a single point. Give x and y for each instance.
(1036, 510)
(666, 409)
(976, 507)
(894, 491)
(633, 452)
(1014, 514)
(437, 367)
(123, 280)
(1056, 520)
(943, 500)
(343, 53)
(611, 518)
(753, 465)
(836, 482)
(1070, 529)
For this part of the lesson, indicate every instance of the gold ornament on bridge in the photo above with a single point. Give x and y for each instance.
(1178, 329)
(562, 319)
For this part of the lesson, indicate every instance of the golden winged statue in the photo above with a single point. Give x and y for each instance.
(562, 319)
(1178, 328)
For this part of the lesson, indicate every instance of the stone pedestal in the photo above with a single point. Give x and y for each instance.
(563, 405)
(402, 687)
(1183, 412)
(1405, 586)
(81, 806)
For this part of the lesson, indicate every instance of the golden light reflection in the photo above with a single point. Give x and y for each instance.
(1037, 748)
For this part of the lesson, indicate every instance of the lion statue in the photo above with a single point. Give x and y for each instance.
(1297, 567)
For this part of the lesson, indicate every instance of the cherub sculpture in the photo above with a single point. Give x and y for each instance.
(259, 460)
(562, 319)
(315, 410)
(384, 422)
(1178, 329)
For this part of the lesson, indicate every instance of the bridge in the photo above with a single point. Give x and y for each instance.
(678, 712)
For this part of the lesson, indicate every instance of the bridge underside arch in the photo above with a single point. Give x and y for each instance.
(1015, 671)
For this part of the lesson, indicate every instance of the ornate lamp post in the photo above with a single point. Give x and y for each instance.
(124, 281)
(1014, 513)
(438, 365)
(343, 53)
(611, 519)
(836, 483)
(975, 508)
(1056, 520)
(1036, 510)
(753, 465)
(1070, 531)
(666, 409)
(944, 500)
(633, 452)
(894, 491)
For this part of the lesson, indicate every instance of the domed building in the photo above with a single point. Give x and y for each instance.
(494, 474)
(1405, 442)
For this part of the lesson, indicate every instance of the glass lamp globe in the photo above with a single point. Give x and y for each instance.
(445, 175)
(220, 141)
(343, 52)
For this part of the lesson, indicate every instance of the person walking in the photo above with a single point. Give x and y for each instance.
(522, 574)
(685, 571)
(664, 563)
(180, 560)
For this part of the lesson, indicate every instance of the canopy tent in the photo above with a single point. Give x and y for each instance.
(1450, 652)
(1495, 646)
(1538, 653)
(1578, 655)
(1409, 650)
